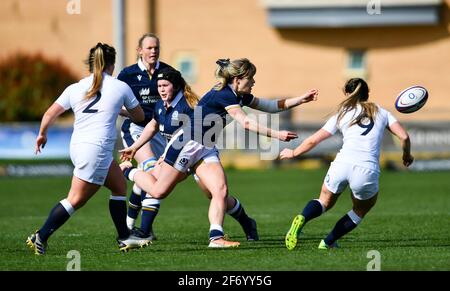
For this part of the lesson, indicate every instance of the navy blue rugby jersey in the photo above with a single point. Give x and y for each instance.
(210, 114)
(144, 86)
(175, 116)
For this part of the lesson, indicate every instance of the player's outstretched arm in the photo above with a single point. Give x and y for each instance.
(239, 115)
(49, 117)
(398, 130)
(277, 105)
(149, 131)
(307, 145)
(136, 114)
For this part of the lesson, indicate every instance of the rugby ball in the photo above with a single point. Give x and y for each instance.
(411, 99)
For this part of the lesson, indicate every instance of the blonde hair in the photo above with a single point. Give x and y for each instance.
(358, 93)
(226, 71)
(100, 57)
(191, 98)
(141, 41)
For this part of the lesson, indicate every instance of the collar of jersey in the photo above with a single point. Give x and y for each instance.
(142, 66)
(231, 88)
(176, 99)
(90, 78)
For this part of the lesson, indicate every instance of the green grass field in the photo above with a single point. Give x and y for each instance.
(409, 226)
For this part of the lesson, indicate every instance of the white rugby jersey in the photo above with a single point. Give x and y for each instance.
(95, 118)
(361, 142)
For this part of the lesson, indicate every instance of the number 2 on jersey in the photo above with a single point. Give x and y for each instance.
(88, 108)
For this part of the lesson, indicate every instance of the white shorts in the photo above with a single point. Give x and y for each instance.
(131, 132)
(363, 182)
(91, 162)
(183, 159)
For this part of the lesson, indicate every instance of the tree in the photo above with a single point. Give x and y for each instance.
(29, 84)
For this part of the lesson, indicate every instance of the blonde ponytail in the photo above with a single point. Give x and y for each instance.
(358, 91)
(99, 66)
(100, 57)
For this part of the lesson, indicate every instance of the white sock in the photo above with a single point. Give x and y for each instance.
(354, 217)
(67, 206)
(132, 173)
(130, 222)
(151, 202)
(113, 197)
(136, 189)
(216, 227)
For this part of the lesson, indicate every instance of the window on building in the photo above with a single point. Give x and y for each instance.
(186, 67)
(356, 59)
(356, 63)
(186, 63)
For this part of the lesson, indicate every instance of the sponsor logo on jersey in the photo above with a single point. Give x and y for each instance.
(144, 92)
(175, 115)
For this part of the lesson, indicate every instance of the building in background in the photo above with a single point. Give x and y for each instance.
(295, 44)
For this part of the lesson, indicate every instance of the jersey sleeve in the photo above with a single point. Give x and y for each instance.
(130, 101)
(247, 99)
(122, 76)
(391, 118)
(64, 99)
(227, 100)
(331, 125)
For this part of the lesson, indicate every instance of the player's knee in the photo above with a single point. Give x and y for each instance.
(220, 191)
